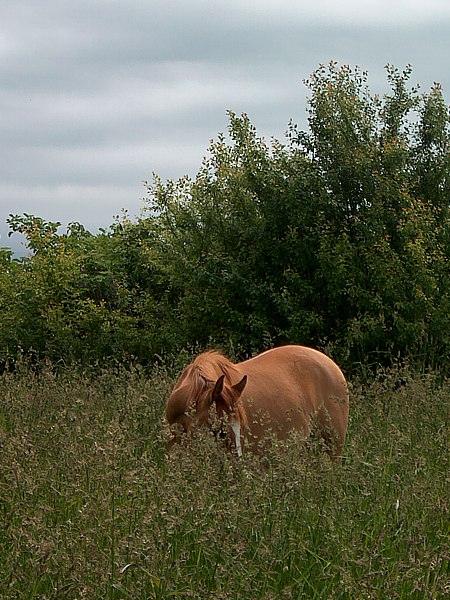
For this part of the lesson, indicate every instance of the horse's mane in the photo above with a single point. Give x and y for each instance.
(212, 364)
(203, 373)
(205, 370)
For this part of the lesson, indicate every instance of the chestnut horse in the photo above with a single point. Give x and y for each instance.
(281, 390)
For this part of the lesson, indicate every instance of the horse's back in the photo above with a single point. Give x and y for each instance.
(289, 385)
(291, 366)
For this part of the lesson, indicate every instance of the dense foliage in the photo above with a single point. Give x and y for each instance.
(338, 238)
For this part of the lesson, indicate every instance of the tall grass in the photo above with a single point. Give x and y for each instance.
(91, 507)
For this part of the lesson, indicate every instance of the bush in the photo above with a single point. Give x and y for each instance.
(339, 238)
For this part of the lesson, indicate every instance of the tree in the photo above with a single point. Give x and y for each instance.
(337, 238)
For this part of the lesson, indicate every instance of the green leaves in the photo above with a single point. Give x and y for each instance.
(338, 237)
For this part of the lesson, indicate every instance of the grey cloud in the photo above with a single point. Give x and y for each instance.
(100, 94)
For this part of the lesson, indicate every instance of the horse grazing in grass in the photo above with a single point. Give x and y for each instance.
(281, 390)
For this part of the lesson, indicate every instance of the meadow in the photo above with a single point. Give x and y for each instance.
(92, 507)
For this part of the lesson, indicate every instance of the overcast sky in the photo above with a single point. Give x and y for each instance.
(95, 95)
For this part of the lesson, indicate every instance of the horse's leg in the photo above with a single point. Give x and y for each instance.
(330, 432)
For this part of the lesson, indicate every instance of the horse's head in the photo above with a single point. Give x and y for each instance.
(216, 406)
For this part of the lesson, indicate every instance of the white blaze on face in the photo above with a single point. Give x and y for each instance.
(236, 427)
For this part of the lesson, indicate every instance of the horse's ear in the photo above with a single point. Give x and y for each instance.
(217, 391)
(239, 387)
